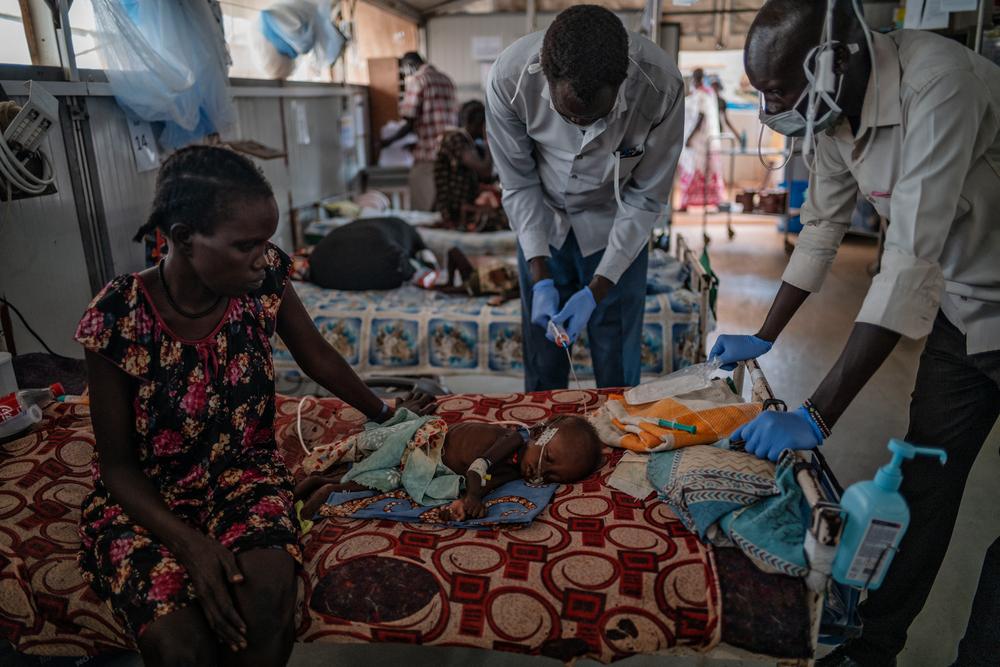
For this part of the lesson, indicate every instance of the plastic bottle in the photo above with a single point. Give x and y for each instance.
(40, 397)
(876, 517)
(15, 416)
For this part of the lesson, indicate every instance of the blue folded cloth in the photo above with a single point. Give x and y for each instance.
(731, 498)
(515, 502)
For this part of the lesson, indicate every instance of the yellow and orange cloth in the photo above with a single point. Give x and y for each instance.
(624, 425)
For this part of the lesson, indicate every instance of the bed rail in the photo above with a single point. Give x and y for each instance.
(702, 282)
(821, 491)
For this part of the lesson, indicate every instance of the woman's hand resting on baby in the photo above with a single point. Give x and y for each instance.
(464, 509)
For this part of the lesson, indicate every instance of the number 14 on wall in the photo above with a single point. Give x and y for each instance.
(147, 155)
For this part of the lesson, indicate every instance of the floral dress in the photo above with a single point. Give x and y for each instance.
(204, 436)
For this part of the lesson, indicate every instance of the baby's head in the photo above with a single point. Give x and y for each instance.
(562, 451)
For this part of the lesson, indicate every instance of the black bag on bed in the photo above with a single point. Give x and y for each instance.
(373, 253)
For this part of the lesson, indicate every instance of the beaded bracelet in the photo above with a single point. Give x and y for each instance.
(817, 418)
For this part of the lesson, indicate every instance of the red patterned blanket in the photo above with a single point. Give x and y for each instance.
(599, 573)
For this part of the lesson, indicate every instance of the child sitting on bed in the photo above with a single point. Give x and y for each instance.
(561, 451)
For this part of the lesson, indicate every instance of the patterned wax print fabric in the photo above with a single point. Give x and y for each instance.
(731, 498)
(404, 453)
(430, 99)
(516, 502)
(699, 169)
(704, 483)
(204, 436)
(454, 183)
(596, 572)
(493, 276)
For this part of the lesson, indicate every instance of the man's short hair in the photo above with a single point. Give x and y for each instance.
(784, 31)
(587, 46)
(412, 59)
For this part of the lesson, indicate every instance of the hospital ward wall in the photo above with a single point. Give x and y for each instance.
(43, 267)
(43, 261)
(450, 41)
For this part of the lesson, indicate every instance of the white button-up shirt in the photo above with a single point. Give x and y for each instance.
(557, 176)
(934, 172)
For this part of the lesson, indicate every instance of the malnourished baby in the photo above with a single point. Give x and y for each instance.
(560, 451)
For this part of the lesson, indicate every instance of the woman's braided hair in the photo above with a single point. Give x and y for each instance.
(197, 183)
(587, 46)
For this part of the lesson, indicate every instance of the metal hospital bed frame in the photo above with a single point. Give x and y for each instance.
(702, 283)
(833, 606)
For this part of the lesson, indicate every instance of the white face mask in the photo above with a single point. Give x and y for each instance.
(792, 123)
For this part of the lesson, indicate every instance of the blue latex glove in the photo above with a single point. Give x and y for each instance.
(773, 432)
(576, 313)
(731, 349)
(544, 302)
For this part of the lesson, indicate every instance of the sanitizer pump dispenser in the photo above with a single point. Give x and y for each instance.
(876, 517)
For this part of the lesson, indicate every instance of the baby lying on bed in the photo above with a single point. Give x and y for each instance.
(561, 451)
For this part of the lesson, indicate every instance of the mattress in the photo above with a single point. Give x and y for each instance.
(598, 574)
(412, 331)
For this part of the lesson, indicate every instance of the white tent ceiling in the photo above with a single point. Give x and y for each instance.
(428, 8)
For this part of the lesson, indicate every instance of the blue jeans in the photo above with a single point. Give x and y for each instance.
(614, 330)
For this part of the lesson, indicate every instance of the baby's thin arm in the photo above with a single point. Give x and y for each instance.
(504, 446)
(501, 448)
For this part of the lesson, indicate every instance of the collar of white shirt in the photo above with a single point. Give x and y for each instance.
(887, 63)
(881, 107)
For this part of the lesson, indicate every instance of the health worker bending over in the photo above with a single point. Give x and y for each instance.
(916, 132)
(585, 122)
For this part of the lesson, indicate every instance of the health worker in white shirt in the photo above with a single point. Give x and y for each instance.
(585, 123)
(914, 125)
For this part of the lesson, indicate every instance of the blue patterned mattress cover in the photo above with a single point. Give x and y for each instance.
(412, 331)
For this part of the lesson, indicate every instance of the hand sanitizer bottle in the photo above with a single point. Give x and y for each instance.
(876, 517)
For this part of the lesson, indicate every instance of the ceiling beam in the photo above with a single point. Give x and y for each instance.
(446, 7)
(399, 8)
(40, 31)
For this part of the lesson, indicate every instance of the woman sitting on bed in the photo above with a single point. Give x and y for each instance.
(561, 451)
(190, 532)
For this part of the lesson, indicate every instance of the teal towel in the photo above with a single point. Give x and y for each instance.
(423, 476)
(733, 499)
(772, 530)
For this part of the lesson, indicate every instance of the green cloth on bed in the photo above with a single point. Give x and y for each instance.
(424, 477)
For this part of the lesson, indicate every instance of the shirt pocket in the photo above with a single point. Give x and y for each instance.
(599, 171)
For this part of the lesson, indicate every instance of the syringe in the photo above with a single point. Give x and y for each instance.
(559, 335)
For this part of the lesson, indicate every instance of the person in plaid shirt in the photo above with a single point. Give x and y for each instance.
(429, 109)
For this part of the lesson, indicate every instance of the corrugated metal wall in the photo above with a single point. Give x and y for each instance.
(449, 42)
(259, 119)
(43, 268)
(125, 192)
